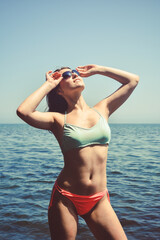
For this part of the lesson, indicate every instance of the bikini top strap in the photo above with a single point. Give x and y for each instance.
(65, 116)
(96, 111)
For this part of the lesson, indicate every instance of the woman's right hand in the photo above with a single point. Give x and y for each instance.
(27, 110)
(53, 78)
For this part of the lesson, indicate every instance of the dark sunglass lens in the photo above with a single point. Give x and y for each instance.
(66, 74)
(75, 71)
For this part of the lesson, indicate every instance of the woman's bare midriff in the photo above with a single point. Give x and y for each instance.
(84, 171)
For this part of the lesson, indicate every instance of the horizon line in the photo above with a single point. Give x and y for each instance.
(109, 123)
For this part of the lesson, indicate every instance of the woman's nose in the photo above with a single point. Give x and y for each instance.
(74, 74)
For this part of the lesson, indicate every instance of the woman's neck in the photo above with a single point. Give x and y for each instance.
(76, 103)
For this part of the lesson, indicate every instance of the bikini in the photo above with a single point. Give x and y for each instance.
(78, 137)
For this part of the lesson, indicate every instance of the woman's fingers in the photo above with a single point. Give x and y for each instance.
(56, 75)
(53, 78)
(47, 73)
(81, 68)
(84, 69)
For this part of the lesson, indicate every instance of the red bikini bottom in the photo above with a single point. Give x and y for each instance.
(83, 204)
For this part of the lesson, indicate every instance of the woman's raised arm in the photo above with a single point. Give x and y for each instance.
(27, 110)
(128, 80)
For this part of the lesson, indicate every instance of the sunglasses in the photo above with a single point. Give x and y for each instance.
(68, 74)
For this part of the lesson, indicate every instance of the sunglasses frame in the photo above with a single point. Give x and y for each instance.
(68, 74)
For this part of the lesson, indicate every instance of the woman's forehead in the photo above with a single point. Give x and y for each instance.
(64, 70)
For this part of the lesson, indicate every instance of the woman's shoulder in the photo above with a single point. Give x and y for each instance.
(101, 108)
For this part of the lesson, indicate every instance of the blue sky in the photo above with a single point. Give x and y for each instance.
(41, 35)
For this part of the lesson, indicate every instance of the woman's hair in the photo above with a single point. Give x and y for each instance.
(56, 103)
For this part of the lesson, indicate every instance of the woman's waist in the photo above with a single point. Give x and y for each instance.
(82, 184)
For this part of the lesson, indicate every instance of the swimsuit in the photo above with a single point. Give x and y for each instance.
(78, 137)
(83, 204)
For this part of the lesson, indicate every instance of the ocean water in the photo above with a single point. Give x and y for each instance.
(30, 161)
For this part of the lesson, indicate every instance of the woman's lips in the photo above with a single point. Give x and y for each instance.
(76, 80)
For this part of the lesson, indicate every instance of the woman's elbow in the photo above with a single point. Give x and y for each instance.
(135, 80)
(20, 112)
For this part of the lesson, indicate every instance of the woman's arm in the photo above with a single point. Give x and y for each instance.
(27, 110)
(128, 80)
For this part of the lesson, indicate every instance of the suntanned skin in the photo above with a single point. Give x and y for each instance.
(84, 171)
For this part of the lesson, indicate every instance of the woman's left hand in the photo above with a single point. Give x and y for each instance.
(88, 70)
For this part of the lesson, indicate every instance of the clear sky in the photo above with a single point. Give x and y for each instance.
(41, 35)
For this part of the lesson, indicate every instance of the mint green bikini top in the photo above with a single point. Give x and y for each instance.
(78, 137)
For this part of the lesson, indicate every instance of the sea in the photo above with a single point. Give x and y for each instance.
(30, 161)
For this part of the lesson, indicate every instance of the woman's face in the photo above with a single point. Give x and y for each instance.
(71, 83)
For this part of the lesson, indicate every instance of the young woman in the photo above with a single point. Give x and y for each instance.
(83, 135)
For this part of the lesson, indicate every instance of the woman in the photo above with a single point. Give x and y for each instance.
(83, 135)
